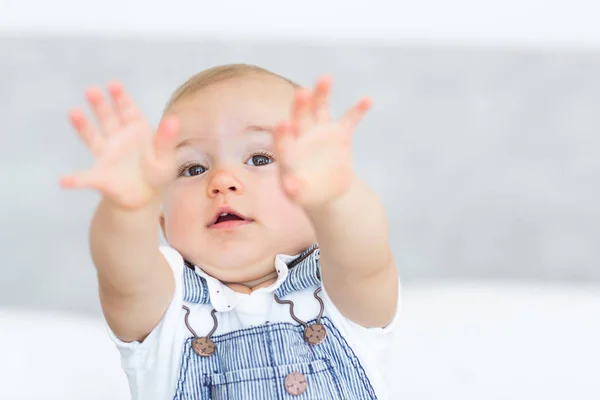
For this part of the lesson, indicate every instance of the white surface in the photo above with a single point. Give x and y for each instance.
(521, 22)
(459, 341)
(469, 341)
(52, 356)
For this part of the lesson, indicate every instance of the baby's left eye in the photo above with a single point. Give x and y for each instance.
(259, 160)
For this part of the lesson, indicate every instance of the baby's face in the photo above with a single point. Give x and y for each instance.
(226, 159)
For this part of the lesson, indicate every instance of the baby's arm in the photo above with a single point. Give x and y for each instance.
(132, 164)
(135, 282)
(352, 229)
(358, 267)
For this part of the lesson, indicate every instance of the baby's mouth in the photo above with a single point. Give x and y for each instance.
(224, 217)
(228, 218)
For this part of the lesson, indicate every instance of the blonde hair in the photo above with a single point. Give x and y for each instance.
(219, 74)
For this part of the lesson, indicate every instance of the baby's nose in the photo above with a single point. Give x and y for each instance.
(224, 182)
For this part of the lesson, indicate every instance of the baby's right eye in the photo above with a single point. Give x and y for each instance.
(192, 170)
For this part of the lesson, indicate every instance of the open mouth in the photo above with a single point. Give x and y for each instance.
(224, 217)
(228, 218)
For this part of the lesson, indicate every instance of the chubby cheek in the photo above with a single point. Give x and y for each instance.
(181, 219)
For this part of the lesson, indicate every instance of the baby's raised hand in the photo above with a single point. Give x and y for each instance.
(315, 152)
(132, 161)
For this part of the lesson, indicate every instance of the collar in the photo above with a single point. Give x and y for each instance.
(294, 272)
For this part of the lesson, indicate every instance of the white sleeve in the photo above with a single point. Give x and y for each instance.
(140, 355)
(383, 334)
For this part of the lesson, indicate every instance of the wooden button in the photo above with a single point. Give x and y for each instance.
(295, 383)
(203, 346)
(315, 334)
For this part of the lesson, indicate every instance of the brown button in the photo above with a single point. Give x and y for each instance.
(203, 346)
(295, 383)
(315, 334)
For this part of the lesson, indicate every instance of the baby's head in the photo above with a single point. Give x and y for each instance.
(226, 164)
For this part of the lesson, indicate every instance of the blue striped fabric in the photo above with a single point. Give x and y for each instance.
(303, 275)
(195, 288)
(253, 363)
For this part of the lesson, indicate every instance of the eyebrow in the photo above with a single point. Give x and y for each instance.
(185, 143)
(259, 128)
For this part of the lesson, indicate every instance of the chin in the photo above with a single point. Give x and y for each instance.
(234, 255)
(238, 266)
(228, 257)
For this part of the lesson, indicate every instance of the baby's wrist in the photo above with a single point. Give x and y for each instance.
(349, 189)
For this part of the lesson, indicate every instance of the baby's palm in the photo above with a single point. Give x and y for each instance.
(314, 151)
(132, 162)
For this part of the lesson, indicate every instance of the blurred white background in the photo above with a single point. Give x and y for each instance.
(483, 144)
(517, 22)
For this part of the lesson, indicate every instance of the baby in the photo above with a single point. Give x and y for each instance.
(278, 281)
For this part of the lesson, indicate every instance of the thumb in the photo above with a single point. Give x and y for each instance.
(165, 137)
(292, 186)
(87, 179)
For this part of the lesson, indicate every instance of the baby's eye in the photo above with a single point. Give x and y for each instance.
(192, 170)
(259, 160)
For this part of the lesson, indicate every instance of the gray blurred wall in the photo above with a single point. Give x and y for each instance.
(486, 158)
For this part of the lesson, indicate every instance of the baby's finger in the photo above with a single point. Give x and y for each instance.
(108, 119)
(355, 114)
(126, 108)
(321, 99)
(165, 137)
(87, 132)
(302, 111)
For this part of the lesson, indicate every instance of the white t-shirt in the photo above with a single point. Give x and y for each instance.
(152, 366)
